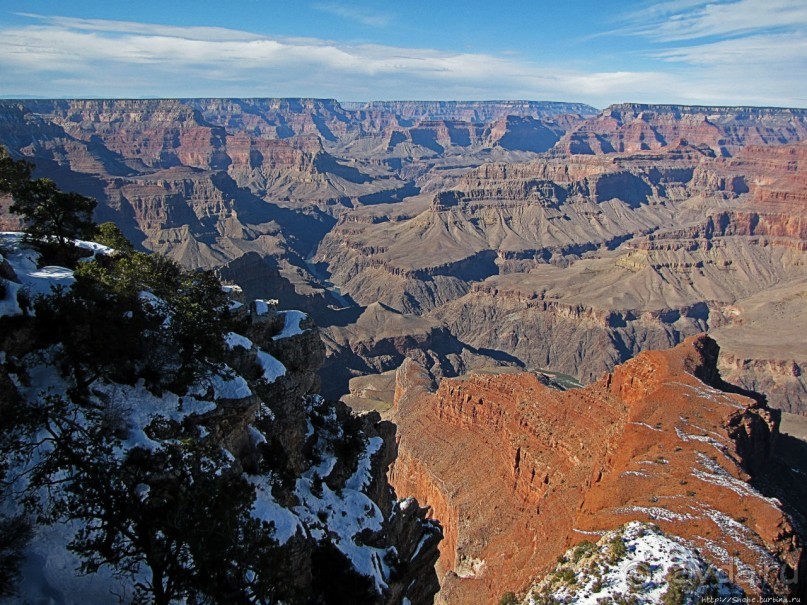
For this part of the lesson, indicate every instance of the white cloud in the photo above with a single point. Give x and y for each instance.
(58, 56)
(133, 27)
(763, 51)
(690, 20)
(728, 50)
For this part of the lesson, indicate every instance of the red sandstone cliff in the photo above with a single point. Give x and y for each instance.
(517, 472)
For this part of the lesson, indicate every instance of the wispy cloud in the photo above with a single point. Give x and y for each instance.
(58, 56)
(354, 13)
(217, 34)
(690, 20)
(750, 47)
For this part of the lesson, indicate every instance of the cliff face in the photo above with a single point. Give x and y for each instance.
(633, 127)
(473, 111)
(520, 472)
(577, 263)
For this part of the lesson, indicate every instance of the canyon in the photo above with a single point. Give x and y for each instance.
(464, 234)
(468, 263)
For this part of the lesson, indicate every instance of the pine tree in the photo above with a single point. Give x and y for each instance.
(52, 217)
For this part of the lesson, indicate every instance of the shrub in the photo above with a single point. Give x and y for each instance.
(508, 598)
(582, 550)
(617, 550)
(108, 328)
(110, 235)
(567, 576)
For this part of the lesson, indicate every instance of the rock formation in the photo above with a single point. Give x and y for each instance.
(545, 235)
(519, 472)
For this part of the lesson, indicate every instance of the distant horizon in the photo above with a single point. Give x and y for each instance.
(342, 102)
(728, 53)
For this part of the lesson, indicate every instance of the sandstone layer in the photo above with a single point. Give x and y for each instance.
(518, 472)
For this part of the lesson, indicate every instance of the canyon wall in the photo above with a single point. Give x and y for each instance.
(546, 235)
(520, 472)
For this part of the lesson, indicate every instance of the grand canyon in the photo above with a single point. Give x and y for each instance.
(560, 320)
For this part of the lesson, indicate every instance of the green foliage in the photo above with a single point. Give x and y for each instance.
(52, 217)
(136, 316)
(508, 598)
(14, 174)
(566, 575)
(582, 550)
(616, 549)
(680, 584)
(109, 234)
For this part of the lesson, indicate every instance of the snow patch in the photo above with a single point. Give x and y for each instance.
(291, 327)
(272, 368)
(642, 571)
(233, 340)
(265, 507)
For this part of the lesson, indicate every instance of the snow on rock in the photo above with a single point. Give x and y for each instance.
(291, 327)
(341, 515)
(719, 476)
(255, 436)
(236, 340)
(264, 307)
(93, 247)
(8, 304)
(638, 563)
(137, 407)
(285, 523)
(32, 279)
(272, 368)
(361, 478)
(227, 384)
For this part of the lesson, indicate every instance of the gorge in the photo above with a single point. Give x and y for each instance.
(465, 263)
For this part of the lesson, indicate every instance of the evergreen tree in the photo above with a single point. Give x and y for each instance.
(179, 511)
(109, 234)
(52, 217)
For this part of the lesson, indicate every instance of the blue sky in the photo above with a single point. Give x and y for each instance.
(726, 52)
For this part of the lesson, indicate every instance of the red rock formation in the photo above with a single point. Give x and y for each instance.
(518, 472)
(633, 127)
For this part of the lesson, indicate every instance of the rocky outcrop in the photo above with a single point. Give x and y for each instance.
(634, 127)
(515, 470)
(473, 111)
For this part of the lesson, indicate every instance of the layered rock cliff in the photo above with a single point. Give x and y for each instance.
(519, 472)
(578, 263)
(660, 220)
(632, 127)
